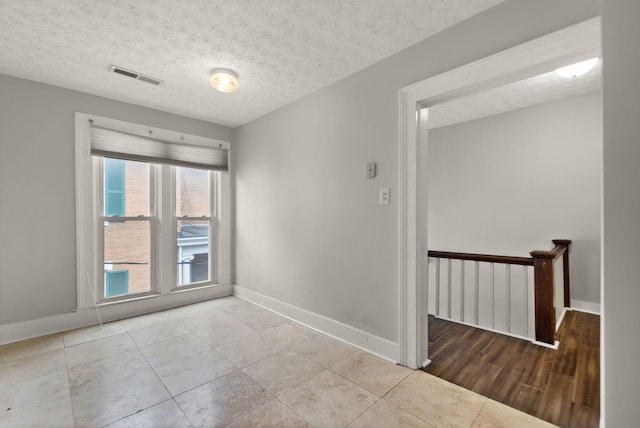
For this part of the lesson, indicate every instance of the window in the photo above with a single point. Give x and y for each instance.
(150, 211)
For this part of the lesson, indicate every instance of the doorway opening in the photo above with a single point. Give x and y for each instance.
(533, 58)
(419, 104)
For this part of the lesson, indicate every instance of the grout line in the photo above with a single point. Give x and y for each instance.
(66, 367)
(182, 411)
(364, 411)
(479, 412)
(292, 410)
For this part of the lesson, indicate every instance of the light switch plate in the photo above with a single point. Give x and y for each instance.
(384, 196)
(371, 170)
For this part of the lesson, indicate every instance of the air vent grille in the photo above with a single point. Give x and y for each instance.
(135, 75)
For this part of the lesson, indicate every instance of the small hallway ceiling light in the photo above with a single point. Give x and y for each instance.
(577, 69)
(224, 80)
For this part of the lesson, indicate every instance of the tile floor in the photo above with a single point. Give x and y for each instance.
(224, 362)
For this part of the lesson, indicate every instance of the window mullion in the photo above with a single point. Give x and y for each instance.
(214, 258)
(164, 248)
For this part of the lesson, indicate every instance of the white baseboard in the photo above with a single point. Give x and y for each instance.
(361, 339)
(561, 318)
(82, 318)
(547, 345)
(579, 305)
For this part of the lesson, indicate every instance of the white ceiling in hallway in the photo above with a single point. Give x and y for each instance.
(282, 49)
(524, 93)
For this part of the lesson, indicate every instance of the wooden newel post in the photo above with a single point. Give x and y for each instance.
(566, 243)
(545, 315)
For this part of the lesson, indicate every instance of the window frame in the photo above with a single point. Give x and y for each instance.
(89, 206)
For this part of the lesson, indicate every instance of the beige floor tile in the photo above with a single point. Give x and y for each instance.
(148, 320)
(31, 367)
(205, 307)
(164, 415)
(222, 401)
(190, 310)
(283, 371)
(325, 350)
(168, 351)
(27, 348)
(436, 401)
(195, 370)
(250, 349)
(88, 334)
(158, 332)
(98, 349)
(328, 400)
(260, 320)
(371, 372)
(290, 333)
(114, 401)
(98, 373)
(271, 414)
(239, 306)
(226, 332)
(39, 402)
(205, 321)
(50, 414)
(497, 415)
(383, 414)
(226, 302)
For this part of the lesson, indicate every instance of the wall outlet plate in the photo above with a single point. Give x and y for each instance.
(384, 196)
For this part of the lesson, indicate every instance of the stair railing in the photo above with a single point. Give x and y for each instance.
(510, 310)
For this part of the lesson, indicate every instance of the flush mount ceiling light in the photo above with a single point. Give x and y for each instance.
(224, 80)
(577, 69)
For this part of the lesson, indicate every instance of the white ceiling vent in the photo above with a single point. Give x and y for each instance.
(135, 75)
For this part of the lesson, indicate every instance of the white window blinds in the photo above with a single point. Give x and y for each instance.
(123, 145)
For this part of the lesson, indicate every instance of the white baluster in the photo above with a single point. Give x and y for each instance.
(449, 288)
(493, 292)
(438, 286)
(508, 308)
(476, 291)
(462, 288)
(525, 283)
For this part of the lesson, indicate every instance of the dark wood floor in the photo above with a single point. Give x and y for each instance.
(560, 386)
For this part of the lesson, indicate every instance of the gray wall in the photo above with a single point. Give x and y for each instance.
(309, 230)
(37, 190)
(621, 212)
(510, 183)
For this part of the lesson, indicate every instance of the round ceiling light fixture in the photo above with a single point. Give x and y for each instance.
(224, 80)
(577, 69)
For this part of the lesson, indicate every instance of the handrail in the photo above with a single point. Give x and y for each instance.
(542, 262)
(489, 258)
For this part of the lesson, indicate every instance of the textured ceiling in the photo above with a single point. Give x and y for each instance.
(282, 49)
(535, 90)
